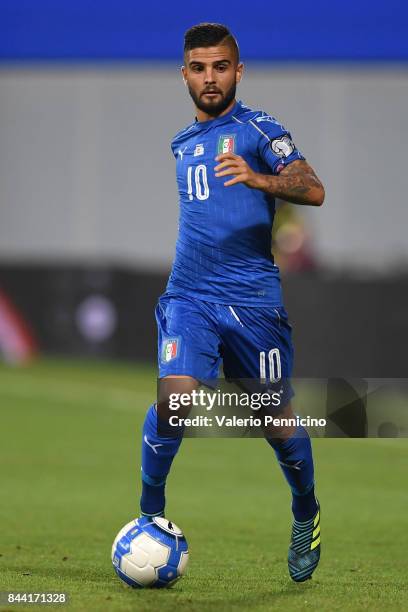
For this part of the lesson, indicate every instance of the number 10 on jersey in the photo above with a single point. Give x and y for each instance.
(198, 176)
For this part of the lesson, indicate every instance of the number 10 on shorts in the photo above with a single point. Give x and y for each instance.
(272, 363)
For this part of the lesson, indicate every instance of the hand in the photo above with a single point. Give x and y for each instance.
(236, 165)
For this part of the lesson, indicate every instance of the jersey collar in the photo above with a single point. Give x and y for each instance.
(236, 109)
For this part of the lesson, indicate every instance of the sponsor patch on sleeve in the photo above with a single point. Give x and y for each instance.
(282, 146)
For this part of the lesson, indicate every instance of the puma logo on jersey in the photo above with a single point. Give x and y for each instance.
(265, 118)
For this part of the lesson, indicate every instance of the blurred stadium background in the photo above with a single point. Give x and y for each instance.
(90, 96)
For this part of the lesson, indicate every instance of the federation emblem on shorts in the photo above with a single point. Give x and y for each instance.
(226, 144)
(169, 350)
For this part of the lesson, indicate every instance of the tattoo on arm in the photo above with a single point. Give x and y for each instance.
(296, 183)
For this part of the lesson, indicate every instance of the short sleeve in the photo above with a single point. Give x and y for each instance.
(275, 145)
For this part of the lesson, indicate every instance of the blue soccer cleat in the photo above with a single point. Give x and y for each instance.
(304, 549)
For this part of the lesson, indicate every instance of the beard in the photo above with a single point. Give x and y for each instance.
(213, 108)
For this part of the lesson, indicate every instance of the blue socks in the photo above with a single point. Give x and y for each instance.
(296, 461)
(158, 452)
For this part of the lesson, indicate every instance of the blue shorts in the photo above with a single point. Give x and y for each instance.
(195, 336)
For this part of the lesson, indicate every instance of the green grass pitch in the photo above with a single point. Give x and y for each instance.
(69, 457)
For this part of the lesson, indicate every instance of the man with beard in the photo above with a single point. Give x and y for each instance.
(223, 299)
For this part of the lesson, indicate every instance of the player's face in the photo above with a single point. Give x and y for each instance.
(211, 75)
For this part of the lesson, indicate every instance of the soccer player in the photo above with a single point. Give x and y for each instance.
(223, 298)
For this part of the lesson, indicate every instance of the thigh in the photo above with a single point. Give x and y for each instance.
(257, 343)
(188, 339)
(257, 351)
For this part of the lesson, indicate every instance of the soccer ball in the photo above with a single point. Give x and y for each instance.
(150, 552)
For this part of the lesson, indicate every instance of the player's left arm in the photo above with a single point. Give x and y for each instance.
(297, 182)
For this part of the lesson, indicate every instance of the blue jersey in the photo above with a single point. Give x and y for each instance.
(223, 251)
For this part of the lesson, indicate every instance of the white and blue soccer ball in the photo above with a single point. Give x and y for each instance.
(150, 552)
